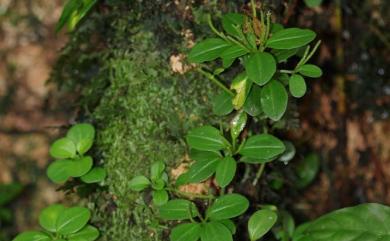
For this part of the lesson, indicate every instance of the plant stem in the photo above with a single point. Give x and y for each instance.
(253, 5)
(258, 174)
(286, 71)
(215, 81)
(213, 28)
(312, 51)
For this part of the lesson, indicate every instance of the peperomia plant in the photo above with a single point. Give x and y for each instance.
(62, 224)
(71, 159)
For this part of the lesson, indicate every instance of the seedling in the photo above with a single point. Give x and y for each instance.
(62, 224)
(71, 159)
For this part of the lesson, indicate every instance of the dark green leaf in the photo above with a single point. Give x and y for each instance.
(197, 155)
(202, 170)
(274, 100)
(283, 54)
(139, 183)
(252, 104)
(307, 170)
(250, 160)
(297, 85)
(310, 70)
(182, 179)
(313, 3)
(58, 171)
(82, 136)
(214, 231)
(156, 170)
(223, 104)
(263, 146)
(96, 174)
(228, 206)
(276, 27)
(48, 217)
(260, 67)
(290, 38)
(237, 124)
(186, 232)
(160, 197)
(225, 171)
(32, 236)
(231, 21)
(206, 138)
(63, 148)
(229, 224)
(9, 191)
(207, 50)
(178, 209)
(230, 54)
(260, 223)
(72, 220)
(365, 222)
(88, 233)
(80, 166)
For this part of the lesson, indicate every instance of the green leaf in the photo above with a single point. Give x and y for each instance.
(207, 50)
(158, 184)
(241, 85)
(88, 233)
(139, 183)
(365, 222)
(307, 170)
(202, 170)
(96, 174)
(230, 225)
(231, 21)
(182, 179)
(228, 206)
(310, 70)
(63, 148)
(58, 171)
(222, 104)
(260, 67)
(156, 170)
(32, 236)
(252, 104)
(186, 232)
(297, 85)
(225, 171)
(313, 3)
(230, 54)
(289, 152)
(48, 217)
(237, 124)
(284, 54)
(276, 27)
(82, 136)
(72, 220)
(274, 99)
(9, 191)
(263, 146)
(214, 231)
(206, 138)
(160, 197)
(197, 155)
(260, 223)
(80, 166)
(290, 38)
(70, 7)
(250, 160)
(178, 209)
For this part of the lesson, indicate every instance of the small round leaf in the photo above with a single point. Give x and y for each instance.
(228, 206)
(72, 220)
(274, 100)
(260, 223)
(297, 85)
(58, 171)
(96, 174)
(48, 217)
(178, 209)
(32, 236)
(260, 67)
(82, 136)
(63, 148)
(139, 183)
(160, 197)
(214, 231)
(88, 233)
(263, 147)
(206, 138)
(80, 166)
(222, 104)
(310, 70)
(186, 232)
(226, 171)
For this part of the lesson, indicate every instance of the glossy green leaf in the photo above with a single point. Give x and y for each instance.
(252, 104)
(202, 170)
(80, 166)
(222, 104)
(158, 184)
(263, 146)
(32, 236)
(73, 12)
(63, 148)
(284, 54)
(9, 191)
(225, 171)
(197, 155)
(290, 38)
(156, 170)
(228, 206)
(297, 85)
(88, 233)
(231, 21)
(237, 124)
(186, 232)
(274, 100)
(310, 70)
(139, 183)
(276, 27)
(206, 138)
(250, 160)
(231, 53)
(365, 222)
(313, 3)
(307, 170)
(58, 171)
(241, 85)
(182, 179)
(229, 224)
(96, 174)
(214, 231)
(160, 197)
(82, 136)
(72, 220)
(178, 209)
(48, 217)
(260, 67)
(207, 50)
(260, 223)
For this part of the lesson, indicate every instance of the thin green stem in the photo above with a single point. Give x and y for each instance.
(268, 28)
(303, 58)
(286, 71)
(215, 81)
(231, 39)
(258, 174)
(312, 52)
(253, 5)
(213, 28)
